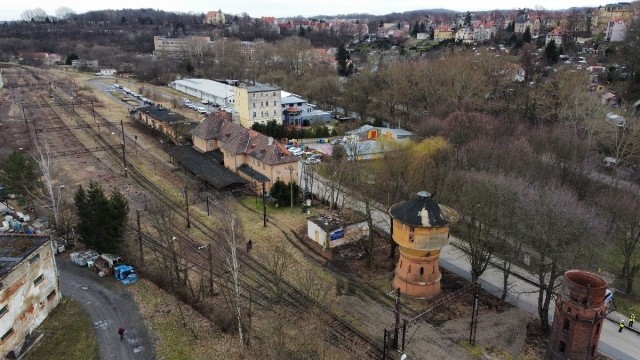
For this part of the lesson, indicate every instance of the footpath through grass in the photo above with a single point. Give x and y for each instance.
(68, 334)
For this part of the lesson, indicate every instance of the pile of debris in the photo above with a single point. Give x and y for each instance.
(105, 264)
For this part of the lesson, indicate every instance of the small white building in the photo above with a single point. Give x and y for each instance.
(108, 71)
(329, 231)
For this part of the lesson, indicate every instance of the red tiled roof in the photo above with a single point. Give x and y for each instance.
(235, 139)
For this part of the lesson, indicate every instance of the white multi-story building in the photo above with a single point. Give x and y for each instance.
(616, 30)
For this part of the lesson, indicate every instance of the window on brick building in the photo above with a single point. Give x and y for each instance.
(563, 347)
(566, 324)
(422, 271)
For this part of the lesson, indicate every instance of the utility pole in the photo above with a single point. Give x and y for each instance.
(264, 204)
(186, 200)
(207, 206)
(139, 237)
(290, 168)
(124, 156)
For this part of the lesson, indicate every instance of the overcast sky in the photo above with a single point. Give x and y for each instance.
(12, 9)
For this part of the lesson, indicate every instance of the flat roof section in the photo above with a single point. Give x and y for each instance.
(205, 167)
(14, 248)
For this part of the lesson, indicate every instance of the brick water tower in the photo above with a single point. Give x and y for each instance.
(420, 227)
(579, 314)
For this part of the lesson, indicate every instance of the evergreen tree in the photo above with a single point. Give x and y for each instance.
(415, 30)
(281, 191)
(467, 19)
(526, 37)
(551, 52)
(71, 57)
(342, 58)
(423, 27)
(102, 219)
(17, 172)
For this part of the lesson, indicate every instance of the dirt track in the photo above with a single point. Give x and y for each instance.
(110, 306)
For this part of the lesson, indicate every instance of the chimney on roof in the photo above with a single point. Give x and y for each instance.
(270, 141)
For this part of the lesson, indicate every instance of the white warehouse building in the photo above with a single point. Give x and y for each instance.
(216, 92)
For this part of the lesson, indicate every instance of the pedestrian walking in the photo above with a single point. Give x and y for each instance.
(121, 333)
(632, 319)
(249, 245)
(621, 326)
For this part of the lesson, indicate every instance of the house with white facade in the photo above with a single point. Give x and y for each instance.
(29, 289)
(297, 111)
(465, 35)
(558, 35)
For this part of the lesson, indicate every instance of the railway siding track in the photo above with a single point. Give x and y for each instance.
(256, 276)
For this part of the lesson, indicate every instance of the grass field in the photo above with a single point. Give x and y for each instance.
(68, 334)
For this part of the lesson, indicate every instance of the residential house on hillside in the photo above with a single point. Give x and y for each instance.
(443, 32)
(558, 35)
(483, 31)
(29, 288)
(465, 35)
(253, 156)
(525, 21)
(258, 103)
(168, 123)
(215, 17)
(297, 111)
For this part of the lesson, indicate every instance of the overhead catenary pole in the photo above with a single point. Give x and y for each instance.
(139, 236)
(211, 290)
(264, 204)
(396, 328)
(207, 206)
(124, 156)
(186, 200)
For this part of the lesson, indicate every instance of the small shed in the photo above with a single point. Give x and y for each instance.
(332, 231)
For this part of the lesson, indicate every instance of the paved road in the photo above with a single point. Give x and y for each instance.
(523, 294)
(109, 307)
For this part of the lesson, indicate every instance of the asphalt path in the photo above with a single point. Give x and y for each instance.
(523, 292)
(110, 307)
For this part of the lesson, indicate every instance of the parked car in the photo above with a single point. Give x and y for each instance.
(201, 110)
(205, 101)
(117, 86)
(312, 161)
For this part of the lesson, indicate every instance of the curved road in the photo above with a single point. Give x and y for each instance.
(110, 307)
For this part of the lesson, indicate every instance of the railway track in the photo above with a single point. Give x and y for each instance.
(256, 277)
